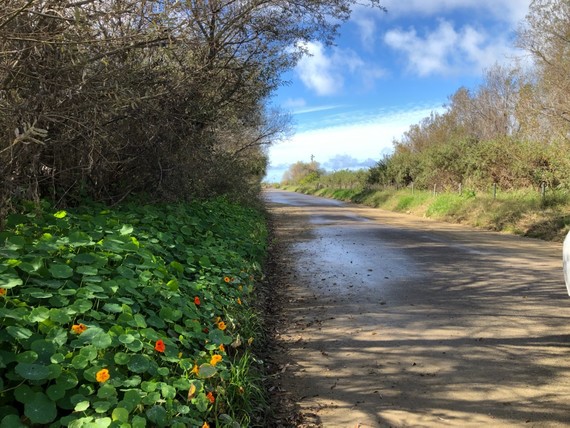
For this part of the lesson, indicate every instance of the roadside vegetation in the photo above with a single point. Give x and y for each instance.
(138, 316)
(497, 157)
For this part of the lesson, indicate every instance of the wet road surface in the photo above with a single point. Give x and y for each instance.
(396, 321)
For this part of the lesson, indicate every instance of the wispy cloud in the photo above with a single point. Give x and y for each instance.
(362, 136)
(324, 70)
(448, 51)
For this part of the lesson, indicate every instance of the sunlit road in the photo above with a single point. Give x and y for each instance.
(400, 321)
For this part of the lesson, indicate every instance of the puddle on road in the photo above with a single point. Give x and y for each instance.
(352, 258)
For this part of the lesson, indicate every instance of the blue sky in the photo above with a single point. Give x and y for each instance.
(388, 71)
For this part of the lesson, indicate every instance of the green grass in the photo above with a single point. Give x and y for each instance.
(137, 316)
(522, 212)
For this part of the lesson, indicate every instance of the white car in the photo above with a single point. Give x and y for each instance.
(566, 261)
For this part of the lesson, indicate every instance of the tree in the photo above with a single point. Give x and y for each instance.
(546, 35)
(107, 98)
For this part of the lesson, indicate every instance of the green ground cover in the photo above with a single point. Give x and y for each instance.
(131, 317)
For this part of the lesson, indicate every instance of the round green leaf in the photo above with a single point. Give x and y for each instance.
(206, 370)
(139, 363)
(138, 422)
(126, 338)
(32, 371)
(132, 381)
(87, 270)
(11, 421)
(39, 314)
(102, 341)
(157, 415)
(55, 392)
(79, 362)
(82, 406)
(102, 406)
(81, 306)
(61, 271)
(168, 392)
(106, 391)
(60, 214)
(120, 414)
(59, 316)
(131, 399)
(44, 348)
(41, 410)
(24, 394)
(57, 358)
(135, 346)
(27, 357)
(121, 358)
(89, 352)
(67, 380)
(9, 280)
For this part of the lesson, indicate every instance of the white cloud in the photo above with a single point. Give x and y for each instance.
(317, 72)
(447, 51)
(294, 103)
(324, 72)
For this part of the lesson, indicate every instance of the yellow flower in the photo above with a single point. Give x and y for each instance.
(250, 341)
(227, 279)
(222, 325)
(78, 328)
(222, 348)
(215, 359)
(195, 369)
(102, 376)
(239, 301)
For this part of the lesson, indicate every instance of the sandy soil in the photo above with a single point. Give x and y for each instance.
(381, 320)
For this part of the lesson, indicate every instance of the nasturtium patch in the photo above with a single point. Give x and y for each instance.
(131, 278)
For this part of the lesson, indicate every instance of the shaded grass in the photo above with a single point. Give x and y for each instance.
(523, 212)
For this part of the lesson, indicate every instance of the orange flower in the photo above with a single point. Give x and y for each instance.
(227, 279)
(239, 301)
(206, 425)
(102, 376)
(215, 359)
(3, 291)
(78, 328)
(159, 346)
(210, 397)
(195, 369)
(222, 348)
(196, 300)
(222, 325)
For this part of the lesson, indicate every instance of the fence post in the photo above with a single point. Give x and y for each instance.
(494, 190)
(412, 187)
(460, 188)
(434, 189)
(543, 190)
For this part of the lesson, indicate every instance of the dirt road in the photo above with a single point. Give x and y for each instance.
(386, 320)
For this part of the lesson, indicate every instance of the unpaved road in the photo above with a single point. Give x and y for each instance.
(388, 320)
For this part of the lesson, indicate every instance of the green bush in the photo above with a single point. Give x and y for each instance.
(124, 318)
